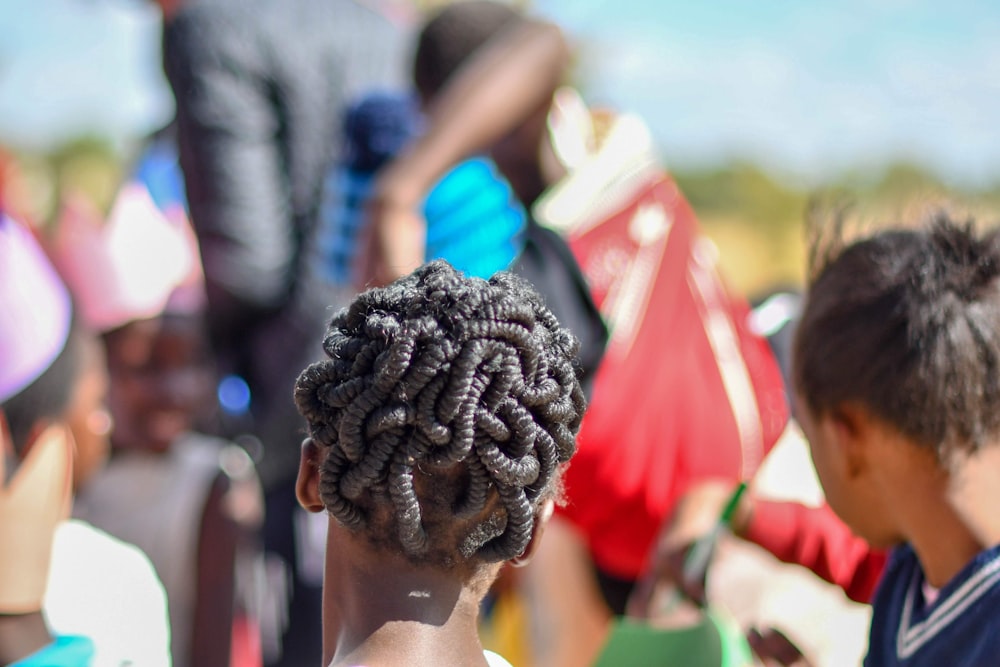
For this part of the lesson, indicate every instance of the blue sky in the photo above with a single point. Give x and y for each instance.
(806, 87)
(72, 66)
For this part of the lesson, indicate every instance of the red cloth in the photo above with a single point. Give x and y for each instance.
(816, 538)
(245, 650)
(685, 392)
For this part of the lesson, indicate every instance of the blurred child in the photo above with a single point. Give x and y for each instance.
(439, 428)
(895, 371)
(895, 392)
(36, 477)
(894, 374)
(187, 499)
(52, 375)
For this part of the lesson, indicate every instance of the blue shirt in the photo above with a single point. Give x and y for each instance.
(66, 651)
(159, 170)
(960, 628)
(474, 221)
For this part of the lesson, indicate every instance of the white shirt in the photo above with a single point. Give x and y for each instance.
(107, 590)
(495, 659)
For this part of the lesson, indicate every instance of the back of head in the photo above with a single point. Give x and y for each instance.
(907, 323)
(454, 34)
(443, 415)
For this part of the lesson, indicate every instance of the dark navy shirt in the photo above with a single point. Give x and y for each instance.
(959, 628)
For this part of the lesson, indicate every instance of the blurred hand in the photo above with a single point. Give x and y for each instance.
(696, 516)
(394, 240)
(775, 649)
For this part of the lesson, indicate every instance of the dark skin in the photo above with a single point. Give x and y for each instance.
(498, 101)
(161, 380)
(395, 613)
(379, 609)
(21, 635)
(161, 383)
(694, 516)
(774, 649)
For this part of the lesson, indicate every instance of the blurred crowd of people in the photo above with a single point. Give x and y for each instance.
(391, 350)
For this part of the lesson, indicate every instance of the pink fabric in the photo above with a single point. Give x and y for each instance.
(35, 310)
(129, 267)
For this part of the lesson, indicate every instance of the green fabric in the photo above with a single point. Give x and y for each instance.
(715, 642)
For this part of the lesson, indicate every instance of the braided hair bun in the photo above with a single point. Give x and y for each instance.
(443, 414)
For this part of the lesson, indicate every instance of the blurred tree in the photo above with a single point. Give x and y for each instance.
(756, 219)
(87, 166)
(745, 190)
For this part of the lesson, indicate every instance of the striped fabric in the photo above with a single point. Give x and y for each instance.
(958, 627)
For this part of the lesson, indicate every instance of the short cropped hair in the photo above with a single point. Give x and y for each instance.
(451, 36)
(48, 397)
(444, 412)
(907, 323)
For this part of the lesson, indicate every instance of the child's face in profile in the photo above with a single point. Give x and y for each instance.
(161, 380)
(838, 454)
(829, 468)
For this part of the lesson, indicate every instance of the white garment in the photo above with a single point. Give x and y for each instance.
(495, 659)
(107, 590)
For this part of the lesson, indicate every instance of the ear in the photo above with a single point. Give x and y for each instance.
(307, 482)
(6, 444)
(544, 514)
(7, 455)
(850, 426)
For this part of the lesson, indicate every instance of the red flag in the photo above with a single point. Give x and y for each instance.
(686, 390)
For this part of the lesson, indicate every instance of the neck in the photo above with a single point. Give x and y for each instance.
(21, 635)
(381, 610)
(949, 534)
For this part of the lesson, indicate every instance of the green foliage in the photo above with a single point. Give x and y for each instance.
(743, 191)
(88, 166)
(758, 219)
(751, 194)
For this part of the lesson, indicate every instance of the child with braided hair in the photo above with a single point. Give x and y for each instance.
(439, 428)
